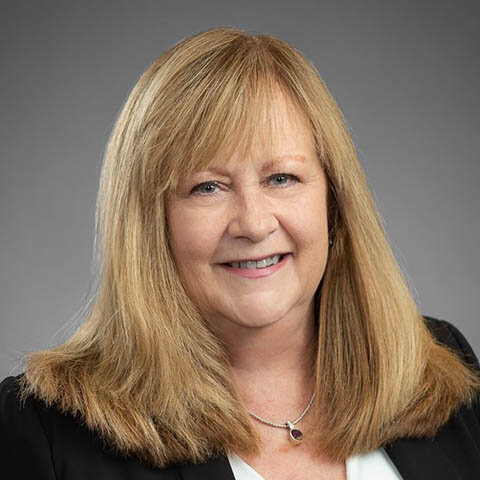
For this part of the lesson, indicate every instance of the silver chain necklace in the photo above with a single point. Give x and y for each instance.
(296, 436)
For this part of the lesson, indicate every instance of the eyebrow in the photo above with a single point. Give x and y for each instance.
(275, 161)
(266, 166)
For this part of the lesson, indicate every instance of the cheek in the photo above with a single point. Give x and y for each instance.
(193, 236)
(309, 225)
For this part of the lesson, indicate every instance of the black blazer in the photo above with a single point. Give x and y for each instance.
(38, 442)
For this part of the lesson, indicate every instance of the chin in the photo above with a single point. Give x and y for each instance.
(257, 318)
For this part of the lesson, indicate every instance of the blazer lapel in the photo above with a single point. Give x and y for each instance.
(414, 458)
(418, 459)
(217, 468)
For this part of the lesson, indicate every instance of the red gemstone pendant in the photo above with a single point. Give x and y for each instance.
(296, 436)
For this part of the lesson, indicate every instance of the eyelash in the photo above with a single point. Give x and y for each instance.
(196, 188)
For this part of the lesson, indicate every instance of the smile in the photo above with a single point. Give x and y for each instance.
(257, 269)
(265, 262)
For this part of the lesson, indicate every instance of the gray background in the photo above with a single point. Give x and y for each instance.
(405, 74)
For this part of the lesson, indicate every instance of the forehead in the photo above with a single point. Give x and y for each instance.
(284, 136)
(265, 127)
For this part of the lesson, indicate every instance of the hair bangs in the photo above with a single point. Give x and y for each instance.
(233, 112)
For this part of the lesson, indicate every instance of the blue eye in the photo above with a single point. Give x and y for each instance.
(205, 188)
(211, 188)
(284, 179)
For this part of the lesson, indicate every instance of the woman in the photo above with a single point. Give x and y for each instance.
(251, 320)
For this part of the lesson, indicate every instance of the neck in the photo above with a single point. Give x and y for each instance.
(274, 363)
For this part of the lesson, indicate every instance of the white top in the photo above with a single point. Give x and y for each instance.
(375, 465)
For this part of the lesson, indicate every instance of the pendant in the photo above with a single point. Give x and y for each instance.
(296, 436)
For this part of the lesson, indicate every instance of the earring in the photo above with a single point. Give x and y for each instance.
(330, 237)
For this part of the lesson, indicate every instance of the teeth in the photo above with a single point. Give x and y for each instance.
(262, 263)
(266, 262)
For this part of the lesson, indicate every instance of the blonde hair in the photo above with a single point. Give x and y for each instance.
(145, 370)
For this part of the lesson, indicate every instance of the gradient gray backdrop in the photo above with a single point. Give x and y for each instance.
(405, 74)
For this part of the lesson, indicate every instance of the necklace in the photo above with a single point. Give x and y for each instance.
(296, 436)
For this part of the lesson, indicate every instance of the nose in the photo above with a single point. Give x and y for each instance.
(252, 216)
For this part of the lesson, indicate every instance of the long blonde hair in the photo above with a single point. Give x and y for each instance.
(145, 370)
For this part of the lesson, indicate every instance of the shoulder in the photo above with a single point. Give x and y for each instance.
(18, 417)
(23, 438)
(41, 442)
(448, 334)
(21, 416)
(454, 450)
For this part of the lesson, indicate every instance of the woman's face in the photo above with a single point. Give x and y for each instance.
(254, 208)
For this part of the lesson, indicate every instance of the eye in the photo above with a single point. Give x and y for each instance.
(205, 188)
(283, 179)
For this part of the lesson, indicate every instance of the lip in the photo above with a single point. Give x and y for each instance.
(256, 259)
(257, 272)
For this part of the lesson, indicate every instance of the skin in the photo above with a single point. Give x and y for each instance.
(253, 207)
